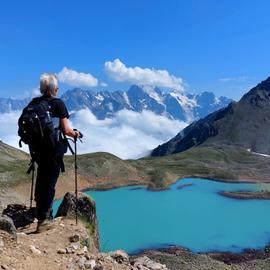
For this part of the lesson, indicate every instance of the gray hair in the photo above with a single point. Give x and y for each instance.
(48, 83)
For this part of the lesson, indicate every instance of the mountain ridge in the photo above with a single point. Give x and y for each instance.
(245, 124)
(174, 105)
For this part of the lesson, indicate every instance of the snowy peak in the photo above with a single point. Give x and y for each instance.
(154, 93)
(9, 104)
(175, 105)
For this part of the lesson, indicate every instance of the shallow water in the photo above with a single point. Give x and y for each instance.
(195, 217)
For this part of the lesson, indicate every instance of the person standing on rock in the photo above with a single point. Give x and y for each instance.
(50, 163)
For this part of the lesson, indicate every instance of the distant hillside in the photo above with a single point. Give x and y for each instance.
(103, 170)
(175, 105)
(9, 153)
(13, 164)
(243, 124)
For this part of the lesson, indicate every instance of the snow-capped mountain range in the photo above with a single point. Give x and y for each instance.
(175, 105)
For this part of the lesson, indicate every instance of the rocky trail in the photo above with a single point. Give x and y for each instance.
(67, 246)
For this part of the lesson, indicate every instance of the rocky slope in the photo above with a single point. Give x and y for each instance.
(182, 259)
(243, 124)
(58, 249)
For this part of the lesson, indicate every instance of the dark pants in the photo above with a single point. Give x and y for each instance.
(47, 175)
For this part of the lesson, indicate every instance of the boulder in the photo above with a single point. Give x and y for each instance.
(6, 224)
(86, 208)
(145, 262)
(90, 264)
(20, 214)
(74, 238)
(61, 251)
(120, 256)
(35, 250)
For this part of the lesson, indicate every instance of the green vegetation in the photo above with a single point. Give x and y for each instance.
(104, 170)
(221, 163)
(89, 226)
(13, 166)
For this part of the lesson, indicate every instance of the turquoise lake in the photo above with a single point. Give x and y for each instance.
(195, 217)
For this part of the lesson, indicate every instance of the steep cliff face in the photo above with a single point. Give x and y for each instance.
(244, 124)
(85, 209)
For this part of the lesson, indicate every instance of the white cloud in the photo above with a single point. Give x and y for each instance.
(128, 135)
(145, 76)
(75, 78)
(35, 91)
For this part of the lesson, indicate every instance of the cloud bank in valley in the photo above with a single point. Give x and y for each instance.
(128, 135)
(76, 79)
(119, 72)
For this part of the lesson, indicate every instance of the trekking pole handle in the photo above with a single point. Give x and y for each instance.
(80, 134)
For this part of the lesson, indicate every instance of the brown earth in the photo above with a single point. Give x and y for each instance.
(54, 250)
(19, 255)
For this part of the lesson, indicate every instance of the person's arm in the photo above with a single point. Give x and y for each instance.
(67, 130)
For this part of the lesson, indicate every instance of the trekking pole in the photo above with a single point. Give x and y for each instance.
(75, 169)
(76, 183)
(32, 185)
(76, 173)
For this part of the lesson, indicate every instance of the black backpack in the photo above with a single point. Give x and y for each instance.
(36, 128)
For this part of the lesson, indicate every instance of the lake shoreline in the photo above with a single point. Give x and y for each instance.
(229, 258)
(246, 195)
(152, 188)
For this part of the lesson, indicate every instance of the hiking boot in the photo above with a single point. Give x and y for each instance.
(45, 225)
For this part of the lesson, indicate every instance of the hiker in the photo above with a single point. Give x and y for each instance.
(50, 159)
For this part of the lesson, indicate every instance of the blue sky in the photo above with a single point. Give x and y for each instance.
(220, 46)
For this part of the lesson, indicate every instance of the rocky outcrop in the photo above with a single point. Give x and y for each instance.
(115, 260)
(146, 263)
(86, 209)
(20, 214)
